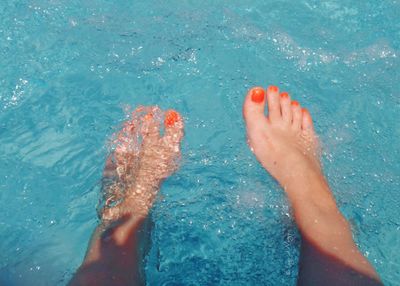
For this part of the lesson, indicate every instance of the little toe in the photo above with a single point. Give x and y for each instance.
(274, 107)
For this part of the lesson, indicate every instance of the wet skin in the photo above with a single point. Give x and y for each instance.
(285, 144)
(141, 161)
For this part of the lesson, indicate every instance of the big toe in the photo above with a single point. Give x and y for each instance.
(173, 124)
(253, 108)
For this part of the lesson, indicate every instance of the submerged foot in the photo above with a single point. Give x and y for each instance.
(284, 141)
(141, 160)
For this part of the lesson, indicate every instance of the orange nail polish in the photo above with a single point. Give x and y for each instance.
(171, 117)
(304, 110)
(257, 95)
(295, 103)
(273, 88)
(284, 95)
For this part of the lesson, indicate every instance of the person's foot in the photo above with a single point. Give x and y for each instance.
(286, 145)
(284, 141)
(141, 160)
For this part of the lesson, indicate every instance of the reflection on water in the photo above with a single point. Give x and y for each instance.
(69, 67)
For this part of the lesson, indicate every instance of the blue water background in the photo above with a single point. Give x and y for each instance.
(69, 68)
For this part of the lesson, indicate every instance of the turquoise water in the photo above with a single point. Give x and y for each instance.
(69, 68)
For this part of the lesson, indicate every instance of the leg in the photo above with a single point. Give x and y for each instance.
(285, 144)
(134, 174)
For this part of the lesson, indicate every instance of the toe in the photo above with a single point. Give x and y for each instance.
(151, 124)
(125, 140)
(253, 107)
(274, 107)
(109, 171)
(173, 124)
(307, 123)
(297, 115)
(150, 128)
(286, 109)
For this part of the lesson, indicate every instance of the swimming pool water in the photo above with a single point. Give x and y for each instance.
(69, 68)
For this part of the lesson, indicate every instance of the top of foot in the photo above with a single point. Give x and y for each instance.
(141, 160)
(284, 140)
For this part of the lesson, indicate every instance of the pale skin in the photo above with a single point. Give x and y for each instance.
(285, 144)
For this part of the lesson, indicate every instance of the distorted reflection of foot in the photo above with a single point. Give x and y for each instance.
(142, 158)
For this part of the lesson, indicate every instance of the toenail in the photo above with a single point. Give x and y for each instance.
(304, 110)
(171, 117)
(284, 95)
(257, 95)
(295, 103)
(273, 88)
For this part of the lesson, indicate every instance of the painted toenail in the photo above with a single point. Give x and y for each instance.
(273, 88)
(171, 117)
(295, 103)
(257, 95)
(284, 95)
